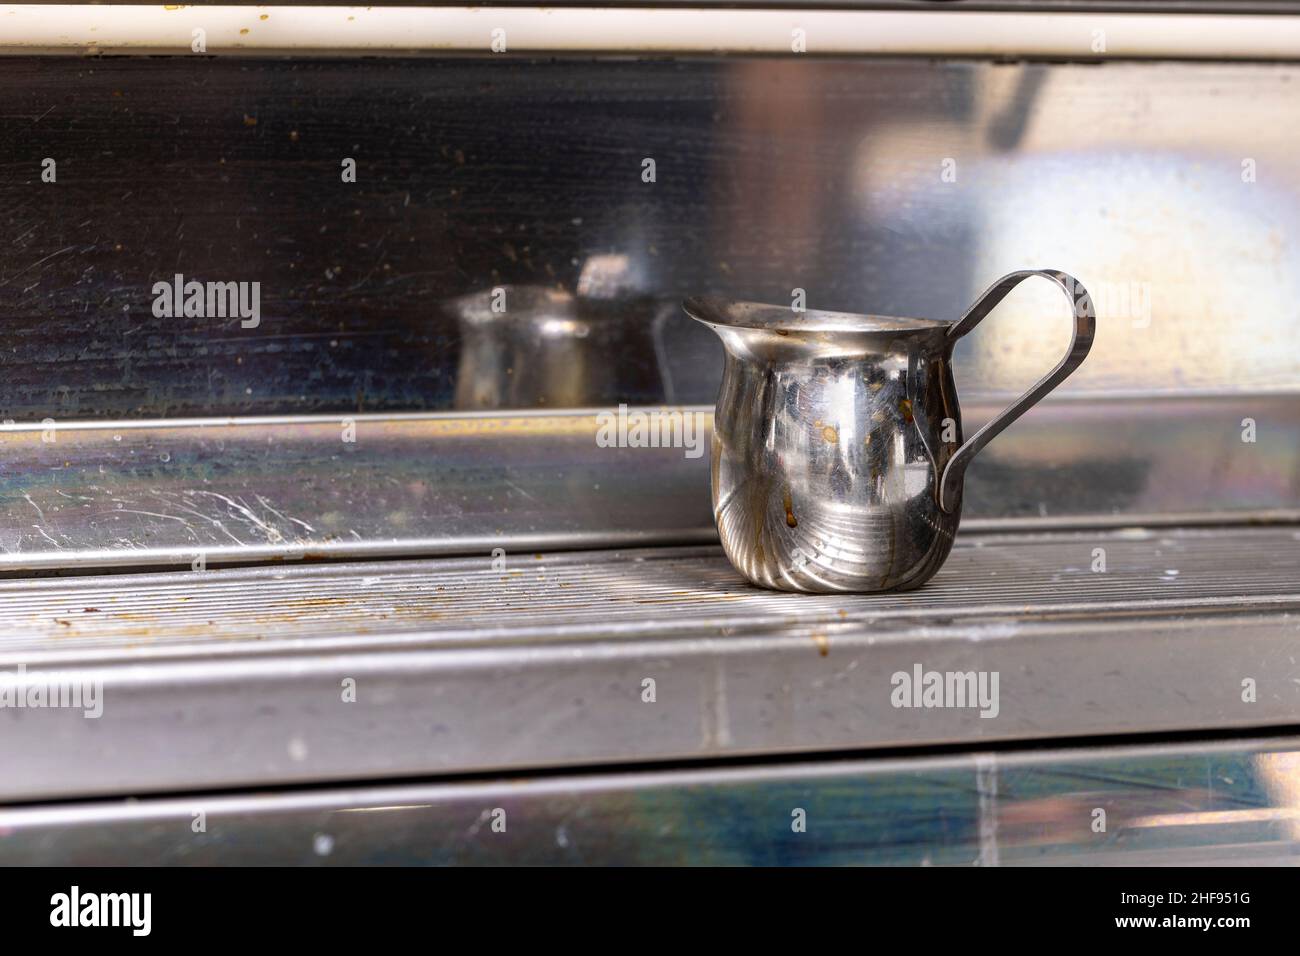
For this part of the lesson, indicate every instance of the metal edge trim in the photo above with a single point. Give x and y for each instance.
(83, 28)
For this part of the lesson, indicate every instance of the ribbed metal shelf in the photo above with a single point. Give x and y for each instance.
(229, 678)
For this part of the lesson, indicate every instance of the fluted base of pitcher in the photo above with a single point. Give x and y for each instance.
(776, 543)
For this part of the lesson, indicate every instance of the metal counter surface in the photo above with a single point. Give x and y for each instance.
(307, 673)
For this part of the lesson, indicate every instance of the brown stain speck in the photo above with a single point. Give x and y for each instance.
(315, 602)
(823, 644)
(790, 519)
(831, 435)
(905, 406)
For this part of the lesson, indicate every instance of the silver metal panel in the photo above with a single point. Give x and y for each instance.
(776, 174)
(893, 186)
(241, 677)
(1191, 804)
(172, 493)
(138, 493)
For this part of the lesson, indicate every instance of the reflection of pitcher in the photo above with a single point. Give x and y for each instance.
(530, 346)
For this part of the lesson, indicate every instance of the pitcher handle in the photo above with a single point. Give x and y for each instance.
(1085, 323)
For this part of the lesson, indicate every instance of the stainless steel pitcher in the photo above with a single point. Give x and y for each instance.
(837, 446)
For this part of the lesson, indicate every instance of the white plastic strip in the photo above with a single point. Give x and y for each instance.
(83, 28)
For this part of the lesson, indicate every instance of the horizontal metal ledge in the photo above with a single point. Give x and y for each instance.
(1189, 804)
(206, 492)
(200, 492)
(242, 677)
(125, 28)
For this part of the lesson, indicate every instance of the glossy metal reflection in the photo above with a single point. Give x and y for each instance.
(1198, 804)
(536, 347)
(837, 451)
